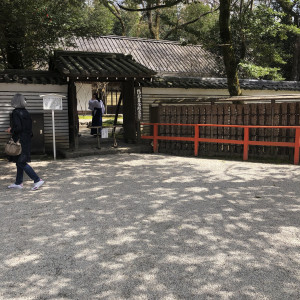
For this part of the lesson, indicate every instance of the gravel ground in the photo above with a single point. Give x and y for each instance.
(140, 226)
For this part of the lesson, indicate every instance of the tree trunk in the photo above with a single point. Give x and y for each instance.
(295, 74)
(228, 51)
(150, 24)
(13, 49)
(115, 11)
(14, 57)
(153, 22)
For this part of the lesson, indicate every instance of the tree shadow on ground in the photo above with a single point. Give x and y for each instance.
(137, 226)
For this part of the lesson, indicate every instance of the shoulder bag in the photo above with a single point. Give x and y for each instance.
(13, 148)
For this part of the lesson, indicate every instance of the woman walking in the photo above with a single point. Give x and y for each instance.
(21, 129)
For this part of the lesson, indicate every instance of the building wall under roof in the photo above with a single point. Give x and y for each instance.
(32, 93)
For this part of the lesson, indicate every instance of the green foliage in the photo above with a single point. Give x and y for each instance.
(264, 40)
(266, 34)
(263, 36)
(184, 23)
(257, 72)
(99, 21)
(130, 19)
(170, 18)
(110, 122)
(200, 31)
(30, 29)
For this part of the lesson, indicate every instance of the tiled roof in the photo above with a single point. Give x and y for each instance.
(30, 77)
(93, 65)
(164, 57)
(220, 83)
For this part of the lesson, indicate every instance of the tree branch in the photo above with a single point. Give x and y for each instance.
(151, 8)
(287, 7)
(114, 10)
(190, 22)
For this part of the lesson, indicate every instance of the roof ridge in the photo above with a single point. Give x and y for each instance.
(138, 39)
(89, 53)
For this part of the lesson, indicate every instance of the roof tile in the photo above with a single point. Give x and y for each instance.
(87, 64)
(161, 56)
(221, 83)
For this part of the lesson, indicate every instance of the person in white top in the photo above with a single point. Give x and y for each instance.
(98, 109)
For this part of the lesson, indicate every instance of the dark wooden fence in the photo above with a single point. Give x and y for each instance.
(272, 114)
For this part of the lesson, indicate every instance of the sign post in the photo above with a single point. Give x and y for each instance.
(52, 102)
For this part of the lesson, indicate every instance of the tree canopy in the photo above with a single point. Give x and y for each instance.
(30, 28)
(258, 39)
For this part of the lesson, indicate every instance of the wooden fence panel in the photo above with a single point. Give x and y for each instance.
(291, 107)
(220, 130)
(291, 120)
(268, 121)
(276, 114)
(164, 130)
(183, 129)
(191, 131)
(202, 131)
(213, 148)
(227, 133)
(297, 119)
(283, 122)
(174, 118)
(240, 120)
(208, 130)
(260, 132)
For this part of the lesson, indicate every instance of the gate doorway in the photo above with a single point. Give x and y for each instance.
(112, 120)
(77, 66)
(111, 92)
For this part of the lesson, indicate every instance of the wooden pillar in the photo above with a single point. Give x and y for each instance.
(73, 116)
(129, 115)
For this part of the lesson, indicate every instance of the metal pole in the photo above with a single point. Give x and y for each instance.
(53, 131)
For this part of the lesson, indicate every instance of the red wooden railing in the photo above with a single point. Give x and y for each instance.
(246, 142)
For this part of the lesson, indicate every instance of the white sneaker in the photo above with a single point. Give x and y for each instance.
(37, 185)
(15, 186)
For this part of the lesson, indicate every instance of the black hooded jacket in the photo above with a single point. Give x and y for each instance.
(21, 128)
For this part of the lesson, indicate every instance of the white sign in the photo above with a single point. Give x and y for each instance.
(139, 103)
(104, 133)
(52, 102)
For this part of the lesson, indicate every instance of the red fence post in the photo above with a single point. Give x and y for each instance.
(155, 134)
(196, 139)
(297, 145)
(196, 142)
(246, 145)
